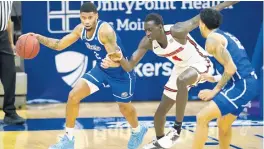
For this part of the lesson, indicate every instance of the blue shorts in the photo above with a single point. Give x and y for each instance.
(233, 97)
(122, 83)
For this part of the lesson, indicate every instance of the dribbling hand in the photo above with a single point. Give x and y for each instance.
(30, 33)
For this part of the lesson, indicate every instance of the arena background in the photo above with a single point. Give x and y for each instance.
(52, 74)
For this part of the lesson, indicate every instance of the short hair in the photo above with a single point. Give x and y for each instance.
(88, 7)
(154, 17)
(211, 18)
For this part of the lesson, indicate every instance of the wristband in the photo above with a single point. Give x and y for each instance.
(217, 78)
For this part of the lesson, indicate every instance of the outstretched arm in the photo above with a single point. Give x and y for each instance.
(215, 45)
(60, 44)
(181, 29)
(142, 49)
(128, 65)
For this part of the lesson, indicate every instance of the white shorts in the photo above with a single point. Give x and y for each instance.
(170, 89)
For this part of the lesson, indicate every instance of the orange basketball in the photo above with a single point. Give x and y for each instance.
(27, 47)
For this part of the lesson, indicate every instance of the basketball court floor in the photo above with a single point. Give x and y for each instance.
(101, 126)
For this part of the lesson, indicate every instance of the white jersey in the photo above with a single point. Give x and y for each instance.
(178, 54)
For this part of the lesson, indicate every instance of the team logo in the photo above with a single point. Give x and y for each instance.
(124, 94)
(71, 65)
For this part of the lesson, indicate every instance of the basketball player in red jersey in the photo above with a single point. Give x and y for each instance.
(190, 60)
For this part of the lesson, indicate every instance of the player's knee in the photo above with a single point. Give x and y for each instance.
(122, 108)
(181, 81)
(125, 108)
(73, 98)
(222, 127)
(201, 119)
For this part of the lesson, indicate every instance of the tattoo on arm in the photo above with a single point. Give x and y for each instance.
(223, 56)
(49, 42)
(225, 78)
(108, 38)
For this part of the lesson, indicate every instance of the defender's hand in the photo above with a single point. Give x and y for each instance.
(206, 94)
(207, 77)
(107, 62)
(115, 56)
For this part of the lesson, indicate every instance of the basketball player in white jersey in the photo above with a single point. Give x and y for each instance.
(189, 59)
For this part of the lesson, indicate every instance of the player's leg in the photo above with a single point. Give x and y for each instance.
(241, 93)
(185, 79)
(160, 115)
(207, 114)
(85, 86)
(160, 118)
(123, 91)
(168, 100)
(81, 90)
(129, 112)
(225, 130)
(220, 106)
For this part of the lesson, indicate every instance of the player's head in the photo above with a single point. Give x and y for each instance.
(153, 26)
(88, 15)
(210, 19)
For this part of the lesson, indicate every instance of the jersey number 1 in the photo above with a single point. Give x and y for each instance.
(176, 58)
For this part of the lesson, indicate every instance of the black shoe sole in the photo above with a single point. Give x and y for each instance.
(12, 123)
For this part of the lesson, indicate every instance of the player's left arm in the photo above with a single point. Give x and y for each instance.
(181, 29)
(108, 38)
(215, 45)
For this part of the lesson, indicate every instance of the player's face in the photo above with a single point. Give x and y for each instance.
(202, 28)
(152, 30)
(89, 20)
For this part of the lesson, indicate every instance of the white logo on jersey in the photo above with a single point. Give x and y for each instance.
(73, 63)
(92, 47)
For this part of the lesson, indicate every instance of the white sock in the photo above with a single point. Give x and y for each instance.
(69, 132)
(137, 129)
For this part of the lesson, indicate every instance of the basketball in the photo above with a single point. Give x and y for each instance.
(27, 47)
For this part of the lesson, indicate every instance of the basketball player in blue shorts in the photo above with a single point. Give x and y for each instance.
(101, 38)
(236, 86)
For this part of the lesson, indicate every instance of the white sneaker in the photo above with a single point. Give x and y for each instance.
(169, 139)
(153, 144)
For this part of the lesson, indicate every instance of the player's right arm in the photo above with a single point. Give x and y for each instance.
(142, 49)
(60, 44)
(128, 65)
(215, 45)
(181, 29)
